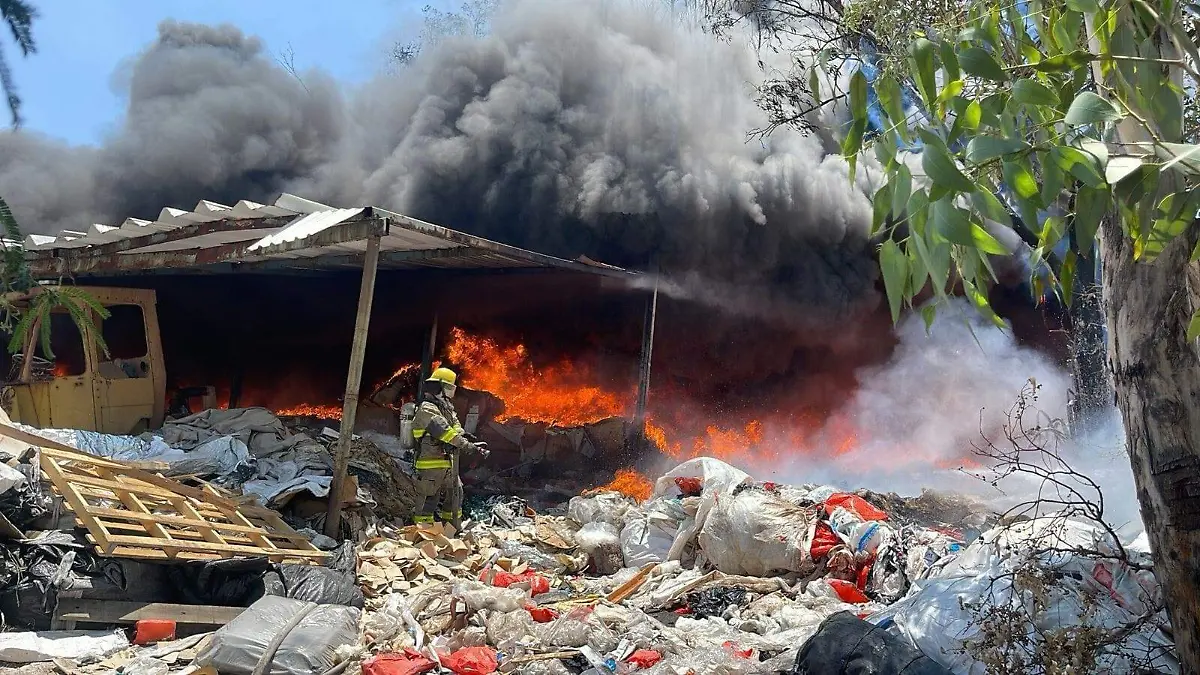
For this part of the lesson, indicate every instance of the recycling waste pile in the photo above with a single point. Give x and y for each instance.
(159, 555)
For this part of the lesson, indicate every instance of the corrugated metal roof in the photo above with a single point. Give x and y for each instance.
(292, 233)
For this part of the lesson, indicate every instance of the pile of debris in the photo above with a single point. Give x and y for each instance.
(715, 573)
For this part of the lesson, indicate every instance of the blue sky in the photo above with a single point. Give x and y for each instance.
(67, 86)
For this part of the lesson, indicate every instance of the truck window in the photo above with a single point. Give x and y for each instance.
(124, 332)
(67, 344)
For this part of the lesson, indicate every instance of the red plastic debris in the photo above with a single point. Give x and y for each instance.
(733, 648)
(864, 574)
(690, 487)
(824, 541)
(644, 658)
(148, 631)
(855, 504)
(501, 579)
(541, 614)
(847, 591)
(472, 661)
(408, 663)
(683, 611)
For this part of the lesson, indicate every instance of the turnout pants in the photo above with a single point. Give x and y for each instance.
(439, 486)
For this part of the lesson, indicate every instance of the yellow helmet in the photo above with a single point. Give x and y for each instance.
(443, 375)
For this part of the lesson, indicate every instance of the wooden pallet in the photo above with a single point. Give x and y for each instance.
(131, 513)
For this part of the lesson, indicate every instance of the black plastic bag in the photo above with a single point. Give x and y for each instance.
(321, 585)
(846, 645)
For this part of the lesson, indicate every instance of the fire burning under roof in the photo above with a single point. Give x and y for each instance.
(291, 234)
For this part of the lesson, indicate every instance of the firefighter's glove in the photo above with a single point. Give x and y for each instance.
(481, 447)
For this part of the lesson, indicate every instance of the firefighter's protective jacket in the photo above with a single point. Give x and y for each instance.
(438, 434)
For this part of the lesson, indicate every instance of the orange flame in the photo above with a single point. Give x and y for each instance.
(325, 412)
(562, 394)
(629, 483)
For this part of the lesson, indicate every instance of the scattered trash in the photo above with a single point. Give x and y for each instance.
(713, 574)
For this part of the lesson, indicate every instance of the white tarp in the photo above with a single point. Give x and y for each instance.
(1093, 591)
(77, 645)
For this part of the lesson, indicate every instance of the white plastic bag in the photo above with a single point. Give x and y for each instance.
(716, 478)
(757, 534)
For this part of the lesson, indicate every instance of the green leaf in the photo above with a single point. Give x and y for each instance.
(882, 203)
(981, 304)
(852, 144)
(1121, 167)
(949, 61)
(1032, 92)
(976, 61)
(1066, 278)
(892, 101)
(1054, 179)
(814, 83)
(928, 314)
(1064, 63)
(923, 53)
(1084, 6)
(967, 120)
(984, 148)
(1079, 164)
(894, 265)
(1019, 179)
(1088, 108)
(901, 189)
(1090, 206)
(953, 224)
(940, 169)
(1193, 330)
(989, 206)
(1185, 157)
(858, 95)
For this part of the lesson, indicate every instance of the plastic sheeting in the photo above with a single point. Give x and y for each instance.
(217, 456)
(79, 645)
(307, 634)
(1091, 591)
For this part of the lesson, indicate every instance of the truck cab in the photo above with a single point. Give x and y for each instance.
(82, 388)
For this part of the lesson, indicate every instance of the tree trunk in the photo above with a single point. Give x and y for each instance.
(1093, 396)
(1156, 373)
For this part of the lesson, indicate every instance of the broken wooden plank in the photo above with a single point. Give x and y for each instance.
(112, 611)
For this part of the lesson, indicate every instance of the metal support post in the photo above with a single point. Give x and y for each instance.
(639, 416)
(358, 350)
(427, 359)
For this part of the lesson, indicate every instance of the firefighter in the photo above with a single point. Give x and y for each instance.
(441, 442)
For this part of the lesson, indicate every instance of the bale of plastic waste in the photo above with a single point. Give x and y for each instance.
(757, 533)
(294, 637)
(846, 645)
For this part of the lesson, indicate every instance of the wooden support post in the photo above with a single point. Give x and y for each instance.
(639, 416)
(427, 359)
(358, 350)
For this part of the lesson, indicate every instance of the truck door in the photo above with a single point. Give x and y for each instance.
(125, 380)
(69, 398)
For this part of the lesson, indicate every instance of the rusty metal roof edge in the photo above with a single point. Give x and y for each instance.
(474, 241)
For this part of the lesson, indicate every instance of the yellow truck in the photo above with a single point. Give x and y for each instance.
(123, 392)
